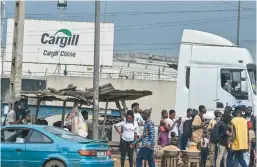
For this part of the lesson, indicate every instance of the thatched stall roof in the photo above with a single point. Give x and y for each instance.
(109, 93)
(70, 94)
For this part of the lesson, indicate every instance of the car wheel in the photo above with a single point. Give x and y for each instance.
(54, 163)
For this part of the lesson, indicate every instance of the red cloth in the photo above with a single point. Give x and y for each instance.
(162, 129)
(249, 124)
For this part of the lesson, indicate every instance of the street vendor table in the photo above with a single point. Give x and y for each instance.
(188, 161)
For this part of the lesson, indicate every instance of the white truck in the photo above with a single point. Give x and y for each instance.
(214, 72)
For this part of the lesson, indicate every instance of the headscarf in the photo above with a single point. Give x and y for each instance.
(146, 113)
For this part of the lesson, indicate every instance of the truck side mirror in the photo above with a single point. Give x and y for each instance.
(243, 75)
(244, 86)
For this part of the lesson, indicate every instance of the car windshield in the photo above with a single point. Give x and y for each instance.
(65, 134)
(252, 74)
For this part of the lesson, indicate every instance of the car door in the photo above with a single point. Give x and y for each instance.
(38, 149)
(13, 147)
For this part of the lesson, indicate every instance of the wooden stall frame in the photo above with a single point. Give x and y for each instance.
(107, 94)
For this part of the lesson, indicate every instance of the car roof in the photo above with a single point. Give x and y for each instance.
(25, 126)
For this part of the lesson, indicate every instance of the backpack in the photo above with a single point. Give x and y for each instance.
(215, 133)
(187, 128)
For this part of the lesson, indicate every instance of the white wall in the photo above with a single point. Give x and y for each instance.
(163, 91)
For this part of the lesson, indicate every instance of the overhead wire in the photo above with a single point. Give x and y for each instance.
(174, 46)
(242, 8)
(114, 50)
(141, 44)
(83, 14)
(156, 25)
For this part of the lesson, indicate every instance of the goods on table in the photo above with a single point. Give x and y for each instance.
(192, 153)
(171, 151)
(170, 148)
(192, 148)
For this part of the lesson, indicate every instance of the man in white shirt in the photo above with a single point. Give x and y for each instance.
(183, 140)
(12, 116)
(137, 115)
(173, 123)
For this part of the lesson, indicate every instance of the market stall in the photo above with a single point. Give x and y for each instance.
(107, 94)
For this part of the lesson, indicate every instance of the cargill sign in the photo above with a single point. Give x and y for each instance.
(62, 41)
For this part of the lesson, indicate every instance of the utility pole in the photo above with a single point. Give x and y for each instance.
(17, 51)
(2, 33)
(2, 19)
(238, 23)
(62, 5)
(96, 70)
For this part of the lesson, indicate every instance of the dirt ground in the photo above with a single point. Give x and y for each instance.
(116, 159)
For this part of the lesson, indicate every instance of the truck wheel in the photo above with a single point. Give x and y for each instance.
(54, 163)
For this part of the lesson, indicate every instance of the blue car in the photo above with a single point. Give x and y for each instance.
(47, 146)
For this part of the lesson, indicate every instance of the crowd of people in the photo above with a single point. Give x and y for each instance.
(228, 140)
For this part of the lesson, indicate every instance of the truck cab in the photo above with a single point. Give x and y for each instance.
(214, 72)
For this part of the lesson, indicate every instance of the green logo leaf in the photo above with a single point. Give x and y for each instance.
(65, 31)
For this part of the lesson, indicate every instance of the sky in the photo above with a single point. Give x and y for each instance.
(155, 27)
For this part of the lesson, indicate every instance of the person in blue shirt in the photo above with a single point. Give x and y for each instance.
(146, 151)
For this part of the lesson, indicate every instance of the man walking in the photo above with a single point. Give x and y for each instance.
(173, 125)
(223, 140)
(146, 151)
(137, 115)
(183, 139)
(198, 125)
(213, 147)
(13, 115)
(239, 137)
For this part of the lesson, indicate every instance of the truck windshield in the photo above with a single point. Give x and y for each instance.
(252, 74)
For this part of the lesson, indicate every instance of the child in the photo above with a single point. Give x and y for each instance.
(204, 150)
(173, 139)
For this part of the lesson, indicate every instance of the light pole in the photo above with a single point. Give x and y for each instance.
(62, 4)
(238, 23)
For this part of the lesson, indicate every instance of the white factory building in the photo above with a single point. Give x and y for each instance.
(52, 47)
(48, 62)
(128, 66)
